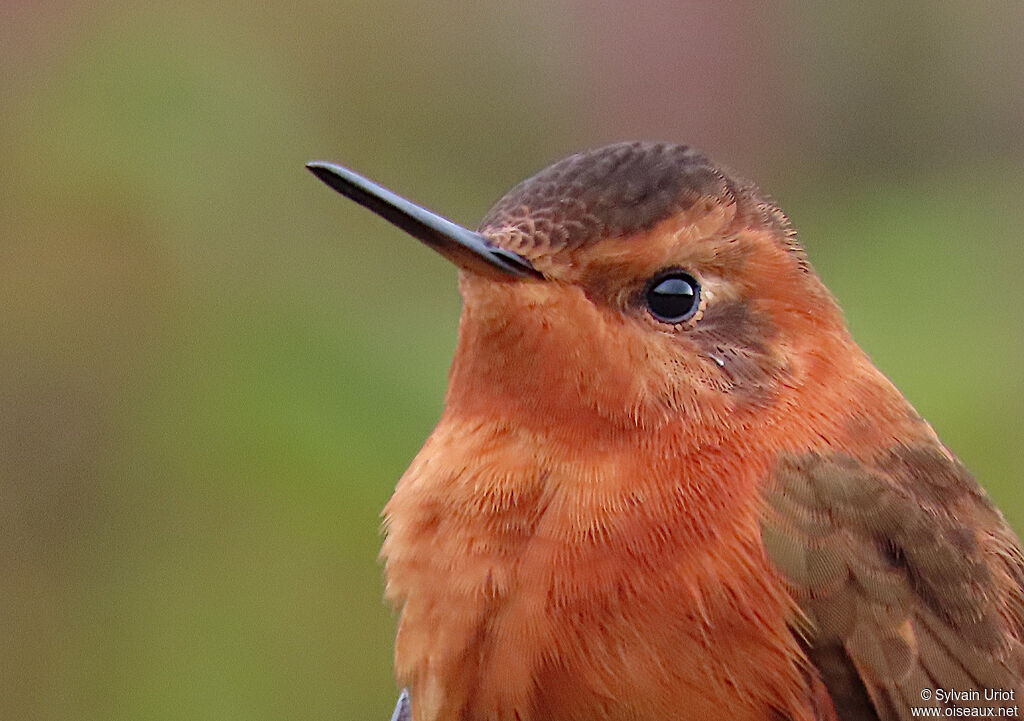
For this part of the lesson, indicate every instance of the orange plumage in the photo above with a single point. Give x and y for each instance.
(628, 515)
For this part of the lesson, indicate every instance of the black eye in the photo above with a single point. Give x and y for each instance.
(673, 297)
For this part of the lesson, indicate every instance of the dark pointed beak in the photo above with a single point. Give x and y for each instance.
(463, 247)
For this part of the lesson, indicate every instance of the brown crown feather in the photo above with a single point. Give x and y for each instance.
(621, 189)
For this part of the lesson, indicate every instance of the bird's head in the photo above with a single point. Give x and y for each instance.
(635, 285)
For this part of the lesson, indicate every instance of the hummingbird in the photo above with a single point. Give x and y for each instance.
(667, 484)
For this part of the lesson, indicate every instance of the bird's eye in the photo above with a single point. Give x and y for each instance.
(673, 297)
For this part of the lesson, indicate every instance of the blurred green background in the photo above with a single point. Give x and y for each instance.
(213, 369)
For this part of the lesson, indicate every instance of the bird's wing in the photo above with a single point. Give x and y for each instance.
(910, 582)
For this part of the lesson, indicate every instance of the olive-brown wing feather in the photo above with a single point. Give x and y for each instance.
(909, 579)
